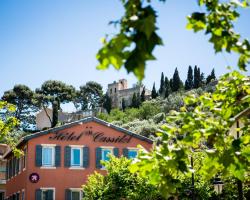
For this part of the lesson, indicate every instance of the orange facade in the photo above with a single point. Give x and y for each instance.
(90, 134)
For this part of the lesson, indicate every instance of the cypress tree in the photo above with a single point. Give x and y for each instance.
(138, 100)
(171, 84)
(189, 83)
(167, 87)
(134, 101)
(143, 95)
(107, 103)
(123, 104)
(154, 93)
(162, 85)
(177, 83)
(197, 77)
(211, 77)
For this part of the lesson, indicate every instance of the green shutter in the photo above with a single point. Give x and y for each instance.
(38, 155)
(116, 152)
(7, 170)
(98, 154)
(57, 156)
(85, 162)
(125, 152)
(67, 194)
(17, 165)
(67, 156)
(14, 166)
(50, 194)
(38, 194)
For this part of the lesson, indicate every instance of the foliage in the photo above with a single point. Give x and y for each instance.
(54, 93)
(119, 183)
(22, 97)
(135, 42)
(143, 94)
(148, 109)
(197, 77)
(204, 119)
(8, 123)
(89, 96)
(136, 101)
(218, 21)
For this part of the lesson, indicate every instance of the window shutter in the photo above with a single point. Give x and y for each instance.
(50, 194)
(67, 156)
(67, 194)
(98, 155)
(85, 160)
(7, 170)
(116, 152)
(58, 156)
(17, 165)
(17, 196)
(38, 155)
(38, 194)
(11, 167)
(125, 152)
(14, 166)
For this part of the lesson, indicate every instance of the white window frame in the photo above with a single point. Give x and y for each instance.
(52, 146)
(81, 156)
(106, 148)
(76, 190)
(23, 194)
(45, 188)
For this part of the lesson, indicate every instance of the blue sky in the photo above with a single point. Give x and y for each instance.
(58, 39)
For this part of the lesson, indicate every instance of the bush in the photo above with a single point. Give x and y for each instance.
(119, 184)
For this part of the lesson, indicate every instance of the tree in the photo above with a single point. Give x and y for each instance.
(22, 97)
(162, 86)
(177, 83)
(119, 183)
(89, 96)
(143, 94)
(154, 93)
(136, 101)
(211, 77)
(107, 103)
(8, 123)
(167, 87)
(189, 83)
(203, 124)
(197, 77)
(123, 104)
(55, 93)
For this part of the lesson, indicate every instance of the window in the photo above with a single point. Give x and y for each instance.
(105, 154)
(24, 158)
(76, 194)
(76, 157)
(48, 155)
(132, 153)
(47, 194)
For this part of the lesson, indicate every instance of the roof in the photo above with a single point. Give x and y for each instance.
(82, 121)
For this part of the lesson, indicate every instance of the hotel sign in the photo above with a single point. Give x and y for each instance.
(97, 137)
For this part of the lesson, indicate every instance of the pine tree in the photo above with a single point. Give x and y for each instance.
(143, 95)
(177, 83)
(167, 87)
(154, 93)
(162, 86)
(197, 77)
(189, 83)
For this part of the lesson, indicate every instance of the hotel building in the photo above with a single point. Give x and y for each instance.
(57, 162)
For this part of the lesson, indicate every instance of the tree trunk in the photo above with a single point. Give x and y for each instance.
(55, 108)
